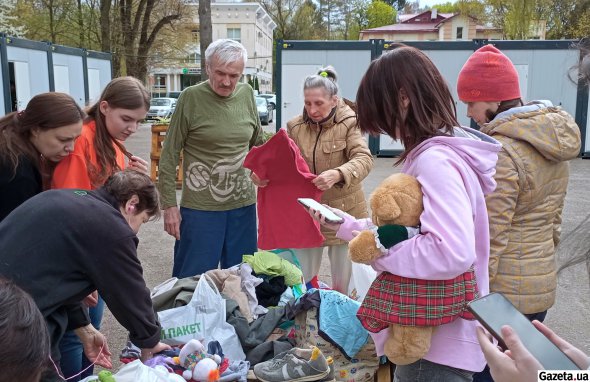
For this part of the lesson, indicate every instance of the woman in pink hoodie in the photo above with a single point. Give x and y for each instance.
(403, 95)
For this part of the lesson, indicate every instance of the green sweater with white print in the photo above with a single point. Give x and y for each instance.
(214, 134)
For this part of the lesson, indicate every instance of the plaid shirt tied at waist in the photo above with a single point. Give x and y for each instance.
(393, 299)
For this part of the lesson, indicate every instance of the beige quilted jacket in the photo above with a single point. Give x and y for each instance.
(525, 209)
(336, 144)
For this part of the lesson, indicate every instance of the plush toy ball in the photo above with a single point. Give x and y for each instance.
(187, 375)
(206, 370)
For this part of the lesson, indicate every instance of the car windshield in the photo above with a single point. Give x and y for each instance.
(160, 102)
(260, 101)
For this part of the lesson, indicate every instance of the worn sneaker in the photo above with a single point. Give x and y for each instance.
(296, 365)
(331, 377)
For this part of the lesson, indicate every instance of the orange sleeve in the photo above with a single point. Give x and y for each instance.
(72, 171)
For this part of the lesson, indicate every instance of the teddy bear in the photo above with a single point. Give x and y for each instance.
(397, 200)
(396, 204)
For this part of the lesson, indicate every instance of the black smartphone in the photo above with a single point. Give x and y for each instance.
(495, 311)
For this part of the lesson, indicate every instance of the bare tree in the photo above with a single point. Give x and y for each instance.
(140, 26)
(282, 12)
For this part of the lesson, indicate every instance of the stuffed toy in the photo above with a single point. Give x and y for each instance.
(396, 201)
(199, 365)
(396, 206)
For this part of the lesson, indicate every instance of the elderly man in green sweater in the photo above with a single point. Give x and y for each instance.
(215, 124)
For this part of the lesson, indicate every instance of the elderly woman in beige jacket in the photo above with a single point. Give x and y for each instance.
(333, 147)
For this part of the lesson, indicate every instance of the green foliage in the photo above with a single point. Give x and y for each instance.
(568, 19)
(59, 21)
(380, 14)
(447, 7)
(131, 30)
(9, 22)
(307, 22)
(517, 22)
(581, 27)
(163, 120)
(474, 8)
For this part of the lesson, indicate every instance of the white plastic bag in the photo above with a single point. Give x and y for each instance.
(138, 372)
(360, 281)
(203, 318)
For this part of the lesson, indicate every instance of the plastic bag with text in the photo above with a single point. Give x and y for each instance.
(203, 318)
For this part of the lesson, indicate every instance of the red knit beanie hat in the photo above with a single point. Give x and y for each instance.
(488, 76)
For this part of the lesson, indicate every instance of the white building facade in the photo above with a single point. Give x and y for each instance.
(247, 23)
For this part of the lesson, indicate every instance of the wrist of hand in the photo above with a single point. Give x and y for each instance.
(146, 354)
(85, 332)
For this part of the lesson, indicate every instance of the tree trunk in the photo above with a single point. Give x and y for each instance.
(81, 43)
(52, 23)
(206, 32)
(105, 25)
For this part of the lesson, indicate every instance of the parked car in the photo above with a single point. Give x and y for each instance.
(272, 99)
(265, 110)
(161, 108)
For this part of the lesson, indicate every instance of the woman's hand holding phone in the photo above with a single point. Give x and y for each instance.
(517, 363)
(328, 217)
(317, 215)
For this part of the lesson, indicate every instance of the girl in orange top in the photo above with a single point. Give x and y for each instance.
(99, 153)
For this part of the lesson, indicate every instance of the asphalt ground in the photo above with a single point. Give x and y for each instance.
(569, 317)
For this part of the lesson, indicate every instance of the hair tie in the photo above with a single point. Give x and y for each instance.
(324, 74)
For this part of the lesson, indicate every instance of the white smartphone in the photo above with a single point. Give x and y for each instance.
(330, 216)
(495, 311)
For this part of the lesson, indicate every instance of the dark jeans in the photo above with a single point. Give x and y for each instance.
(426, 371)
(212, 238)
(485, 376)
(73, 359)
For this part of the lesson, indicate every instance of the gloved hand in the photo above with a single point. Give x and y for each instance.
(392, 234)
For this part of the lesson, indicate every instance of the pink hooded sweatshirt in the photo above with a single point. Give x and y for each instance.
(455, 174)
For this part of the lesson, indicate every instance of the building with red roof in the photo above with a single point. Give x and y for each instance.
(433, 26)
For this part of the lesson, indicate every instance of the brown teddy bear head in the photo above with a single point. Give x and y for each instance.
(397, 200)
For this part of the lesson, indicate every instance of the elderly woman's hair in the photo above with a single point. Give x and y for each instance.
(24, 339)
(226, 51)
(124, 184)
(325, 78)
